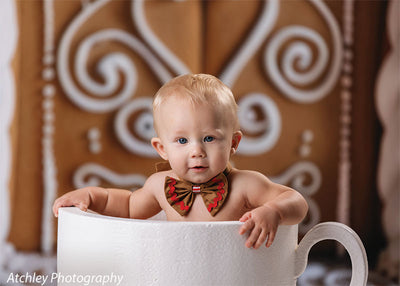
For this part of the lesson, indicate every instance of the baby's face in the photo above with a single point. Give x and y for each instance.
(196, 140)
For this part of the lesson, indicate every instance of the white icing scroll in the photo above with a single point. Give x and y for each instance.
(91, 174)
(264, 25)
(295, 177)
(22, 263)
(85, 3)
(299, 50)
(296, 174)
(109, 67)
(143, 127)
(93, 136)
(11, 261)
(139, 18)
(270, 126)
(305, 148)
(344, 165)
(49, 172)
(9, 32)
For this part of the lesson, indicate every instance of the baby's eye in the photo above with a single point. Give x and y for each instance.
(208, 139)
(182, 140)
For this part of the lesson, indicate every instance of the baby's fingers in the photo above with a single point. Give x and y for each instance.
(248, 225)
(261, 238)
(57, 204)
(245, 217)
(271, 237)
(253, 237)
(68, 202)
(83, 207)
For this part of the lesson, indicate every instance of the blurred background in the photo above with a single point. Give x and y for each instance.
(317, 84)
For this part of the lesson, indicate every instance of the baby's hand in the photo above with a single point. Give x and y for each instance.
(262, 222)
(79, 198)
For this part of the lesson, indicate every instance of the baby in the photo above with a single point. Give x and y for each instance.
(195, 118)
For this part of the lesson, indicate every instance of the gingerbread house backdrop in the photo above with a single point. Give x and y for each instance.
(76, 86)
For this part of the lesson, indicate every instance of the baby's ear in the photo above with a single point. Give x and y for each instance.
(237, 136)
(157, 144)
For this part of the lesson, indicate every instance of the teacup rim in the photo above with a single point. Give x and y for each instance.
(93, 215)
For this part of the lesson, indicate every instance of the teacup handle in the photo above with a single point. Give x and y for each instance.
(343, 234)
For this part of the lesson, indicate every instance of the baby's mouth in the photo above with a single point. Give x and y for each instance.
(198, 168)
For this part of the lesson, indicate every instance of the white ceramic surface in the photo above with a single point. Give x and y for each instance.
(154, 252)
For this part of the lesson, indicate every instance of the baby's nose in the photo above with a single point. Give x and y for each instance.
(198, 151)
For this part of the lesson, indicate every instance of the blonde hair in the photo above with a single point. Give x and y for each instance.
(199, 89)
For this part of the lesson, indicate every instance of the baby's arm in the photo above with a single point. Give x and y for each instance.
(272, 204)
(113, 202)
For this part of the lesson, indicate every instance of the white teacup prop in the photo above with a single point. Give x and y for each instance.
(118, 251)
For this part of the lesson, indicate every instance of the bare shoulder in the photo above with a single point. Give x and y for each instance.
(249, 179)
(155, 182)
(256, 187)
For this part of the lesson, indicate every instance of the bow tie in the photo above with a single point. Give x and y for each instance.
(181, 194)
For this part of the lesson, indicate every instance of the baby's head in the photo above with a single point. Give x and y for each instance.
(197, 126)
(198, 89)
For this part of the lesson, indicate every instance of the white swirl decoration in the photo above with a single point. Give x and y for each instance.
(8, 96)
(300, 50)
(90, 174)
(139, 18)
(109, 66)
(269, 126)
(295, 177)
(143, 127)
(264, 25)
